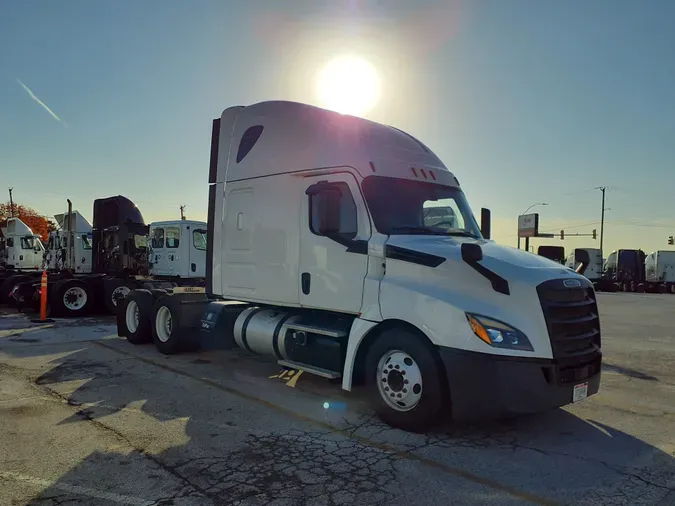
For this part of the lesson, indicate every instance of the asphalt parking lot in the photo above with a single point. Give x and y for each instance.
(86, 418)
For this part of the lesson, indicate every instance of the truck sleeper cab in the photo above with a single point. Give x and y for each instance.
(347, 249)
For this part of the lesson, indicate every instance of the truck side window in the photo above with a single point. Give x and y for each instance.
(158, 238)
(10, 242)
(199, 239)
(86, 241)
(248, 140)
(348, 218)
(172, 237)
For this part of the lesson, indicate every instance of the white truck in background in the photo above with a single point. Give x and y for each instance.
(320, 255)
(660, 272)
(594, 270)
(58, 253)
(20, 248)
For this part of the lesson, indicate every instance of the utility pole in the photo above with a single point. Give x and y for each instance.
(182, 212)
(602, 216)
(11, 204)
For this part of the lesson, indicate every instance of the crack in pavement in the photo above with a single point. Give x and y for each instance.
(403, 454)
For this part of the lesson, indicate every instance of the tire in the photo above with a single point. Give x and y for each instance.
(672, 288)
(640, 288)
(71, 298)
(661, 288)
(114, 290)
(166, 325)
(173, 322)
(135, 317)
(8, 285)
(15, 284)
(404, 350)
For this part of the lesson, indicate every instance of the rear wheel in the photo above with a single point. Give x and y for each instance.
(72, 297)
(8, 285)
(166, 324)
(405, 380)
(114, 291)
(136, 317)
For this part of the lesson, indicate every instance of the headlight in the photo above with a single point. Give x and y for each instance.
(498, 334)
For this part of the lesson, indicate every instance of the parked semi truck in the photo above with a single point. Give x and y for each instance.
(660, 272)
(20, 248)
(555, 253)
(320, 256)
(91, 268)
(21, 253)
(624, 270)
(595, 266)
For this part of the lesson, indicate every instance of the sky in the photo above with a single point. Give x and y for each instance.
(525, 101)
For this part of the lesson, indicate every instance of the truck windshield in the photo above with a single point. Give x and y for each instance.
(86, 241)
(401, 206)
(28, 242)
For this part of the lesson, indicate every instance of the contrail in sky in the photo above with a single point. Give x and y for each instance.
(44, 106)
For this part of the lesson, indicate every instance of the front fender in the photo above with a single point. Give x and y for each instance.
(437, 306)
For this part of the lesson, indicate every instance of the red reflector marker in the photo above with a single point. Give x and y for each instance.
(372, 166)
(423, 173)
(413, 171)
(432, 175)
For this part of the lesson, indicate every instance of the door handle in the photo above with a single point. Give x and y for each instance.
(306, 280)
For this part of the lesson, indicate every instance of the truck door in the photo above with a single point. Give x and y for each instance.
(157, 252)
(173, 239)
(333, 258)
(197, 248)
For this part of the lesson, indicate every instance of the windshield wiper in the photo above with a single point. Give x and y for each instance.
(416, 229)
(460, 233)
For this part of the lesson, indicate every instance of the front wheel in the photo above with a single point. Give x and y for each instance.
(405, 381)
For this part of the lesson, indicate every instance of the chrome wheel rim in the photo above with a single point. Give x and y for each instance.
(75, 298)
(132, 316)
(399, 380)
(163, 324)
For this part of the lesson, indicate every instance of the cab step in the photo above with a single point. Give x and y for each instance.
(317, 371)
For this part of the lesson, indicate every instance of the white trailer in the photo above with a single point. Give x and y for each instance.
(660, 271)
(320, 254)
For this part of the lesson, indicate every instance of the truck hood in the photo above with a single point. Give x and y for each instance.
(503, 260)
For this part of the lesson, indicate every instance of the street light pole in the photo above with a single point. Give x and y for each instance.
(527, 239)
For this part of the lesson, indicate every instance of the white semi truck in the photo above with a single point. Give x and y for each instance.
(320, 254)
(20, 248)
(660, 272)
(594, 270)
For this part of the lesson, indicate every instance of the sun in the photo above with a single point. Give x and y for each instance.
(349, 85)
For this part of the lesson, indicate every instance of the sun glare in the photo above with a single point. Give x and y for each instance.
(348, 85)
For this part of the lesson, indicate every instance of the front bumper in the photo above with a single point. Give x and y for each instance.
(486, 386)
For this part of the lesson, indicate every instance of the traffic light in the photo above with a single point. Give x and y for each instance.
(671, 240)
(562, 235)
(595, 234)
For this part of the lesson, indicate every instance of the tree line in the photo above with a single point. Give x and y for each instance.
(39, 224)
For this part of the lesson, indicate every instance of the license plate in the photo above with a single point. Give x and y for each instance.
(580, 392)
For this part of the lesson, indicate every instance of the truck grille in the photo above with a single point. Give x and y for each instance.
(573, 324)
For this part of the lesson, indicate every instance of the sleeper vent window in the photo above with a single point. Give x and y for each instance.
(248, 140)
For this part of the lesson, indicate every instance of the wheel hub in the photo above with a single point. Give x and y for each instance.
(399, 380)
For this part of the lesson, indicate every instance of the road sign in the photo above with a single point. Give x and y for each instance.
(528, 225)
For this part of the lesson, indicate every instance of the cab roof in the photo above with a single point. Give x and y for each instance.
(276, 137)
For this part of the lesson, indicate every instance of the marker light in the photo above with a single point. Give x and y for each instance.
(498, 334)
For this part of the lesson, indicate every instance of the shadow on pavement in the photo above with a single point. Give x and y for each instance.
(184, 441)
